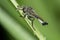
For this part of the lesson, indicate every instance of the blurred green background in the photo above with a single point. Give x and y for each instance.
(16, 27)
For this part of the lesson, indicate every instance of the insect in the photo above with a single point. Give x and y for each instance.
(31, 14)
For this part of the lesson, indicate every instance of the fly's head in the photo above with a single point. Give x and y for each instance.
(25, 9)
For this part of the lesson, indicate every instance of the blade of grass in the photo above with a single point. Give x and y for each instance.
(36, 32)
(14, 28)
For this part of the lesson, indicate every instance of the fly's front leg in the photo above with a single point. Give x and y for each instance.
(32, 23)
(19, 7)
(23, 16)
(31, 19)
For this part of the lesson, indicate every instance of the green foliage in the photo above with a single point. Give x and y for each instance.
(17, 27)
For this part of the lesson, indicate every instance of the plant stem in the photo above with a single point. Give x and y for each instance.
(36, 32)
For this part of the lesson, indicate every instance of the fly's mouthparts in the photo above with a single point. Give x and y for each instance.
(42, 22)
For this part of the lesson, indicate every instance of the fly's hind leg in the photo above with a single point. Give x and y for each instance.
(31, 19)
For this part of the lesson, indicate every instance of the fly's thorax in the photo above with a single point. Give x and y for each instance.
(27, 9)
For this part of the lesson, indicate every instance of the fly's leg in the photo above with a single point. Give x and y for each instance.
(23, 16)
(31, 19)
(19, 7)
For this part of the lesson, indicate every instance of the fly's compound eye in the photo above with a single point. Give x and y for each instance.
(29, 8)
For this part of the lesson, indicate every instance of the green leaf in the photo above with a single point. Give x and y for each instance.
(49, 10)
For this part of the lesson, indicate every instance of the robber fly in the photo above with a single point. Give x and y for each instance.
(31, 14)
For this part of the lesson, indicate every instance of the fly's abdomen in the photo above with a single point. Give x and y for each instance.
(41, 20)
(36, 16)
(30, 12)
